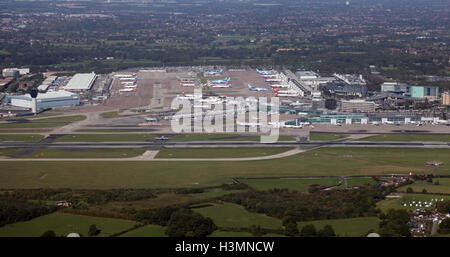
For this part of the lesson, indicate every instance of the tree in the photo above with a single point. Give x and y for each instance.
(326, 231)
(256, 230)
(49, 233)
(444, 227)
(184, 223)
(409, 190)
(291, 229)
(308, 231)
(395, 224)
(93, 231)
(424, 191)
(444, 206)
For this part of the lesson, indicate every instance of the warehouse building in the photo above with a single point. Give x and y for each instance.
(46, 100)
(81, 82)
(357, 106)
(446, 98)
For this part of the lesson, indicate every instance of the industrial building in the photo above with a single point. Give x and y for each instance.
(419, 92)
(422, 92)
(357, 106)
(15, 72)
(45, 100)
(81, 82)
(344, 89)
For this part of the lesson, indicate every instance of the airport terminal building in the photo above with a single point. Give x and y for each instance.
(46, 100)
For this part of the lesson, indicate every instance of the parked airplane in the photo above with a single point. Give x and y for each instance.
(187, 84)
(130, 86)
(273, 80)
(249, 124)
(279, 86)
(217, 72)
(226, 85)
(151, 119)
(264, 72)
(271, 76)
(256, 88)
(285, 93)
(219, 81)
(127, 90)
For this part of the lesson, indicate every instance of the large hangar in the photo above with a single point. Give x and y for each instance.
(46, 100)
(81, 82)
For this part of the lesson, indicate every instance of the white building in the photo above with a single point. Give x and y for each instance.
(46, 100)
(81, 82)
(8, 71)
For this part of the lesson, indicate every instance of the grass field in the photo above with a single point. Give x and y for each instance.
(24, 130)
(106, 138)
(407, 137)
(299, 184)
(319, 162)
(22, 138)
(9, 151)
(108, 130)
(387, 204)
(325, 136)
(86, 153)
(354, 227)
(351, 182)
(221, 137)
(235, 216)
(63, 224)
(146, 231)
(44, 123)
(108, 115)
(220, 152)
(418, 186)
(219, 233)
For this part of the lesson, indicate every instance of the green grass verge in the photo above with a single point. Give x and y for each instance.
(351, 182)
(9, 151)
(418, 186)
(106, 138)
(325, 137)
(24, 130)
(109, 115)
(109, 130)
(44, 123)
(63, 224)
(320, 162)
(86, 153)
(146, 231)
(407, 137)
(220, 152)
(353, 227)
(21, 138)
(299, 184)
(387, 204)
(235, 216)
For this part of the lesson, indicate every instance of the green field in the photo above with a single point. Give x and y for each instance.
(219, 233)
(351, 182)
(299, 184)
(106, 138)
(24, 130)
(320, 162)
(387, 204)
(408, 137)
(108, 130)
(63, 224)
(325, 136)
(9, 151)
(86, 153)
(220, 152)
(108, 115)
(418, 186)
(354, 227)
(43, 123)
(221, 137)
(22, 138)
(146, 231)
(235, 216)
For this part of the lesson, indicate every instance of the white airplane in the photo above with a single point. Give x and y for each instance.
(128, 79)
(150, 119)
(185, 97)
(256, 88)
(187, 85)
(264, 72)
(294, 126)
(249, 124)
(226, 85)
(389, 122)
(217, 72)
(161, 138)
(376, 123)
(270, 76)
(123, 75)
(286, 93)
(279, 86)
(130, 86)
(273, 80)
(127, 90)
(128, 82)
(219, 81)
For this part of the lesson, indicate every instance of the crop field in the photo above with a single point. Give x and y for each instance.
(231, 152)
(299, 184)
(106, 138)
(22, 138)
(387, 204)
(407, 137)
(63, 224)
(354, 227)
(351, 182)
(43, 123)
(146, 231)
(163, 174)
(233, 215)
(418, 186)
(86, 153)
(221, 137)
(325, 136)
